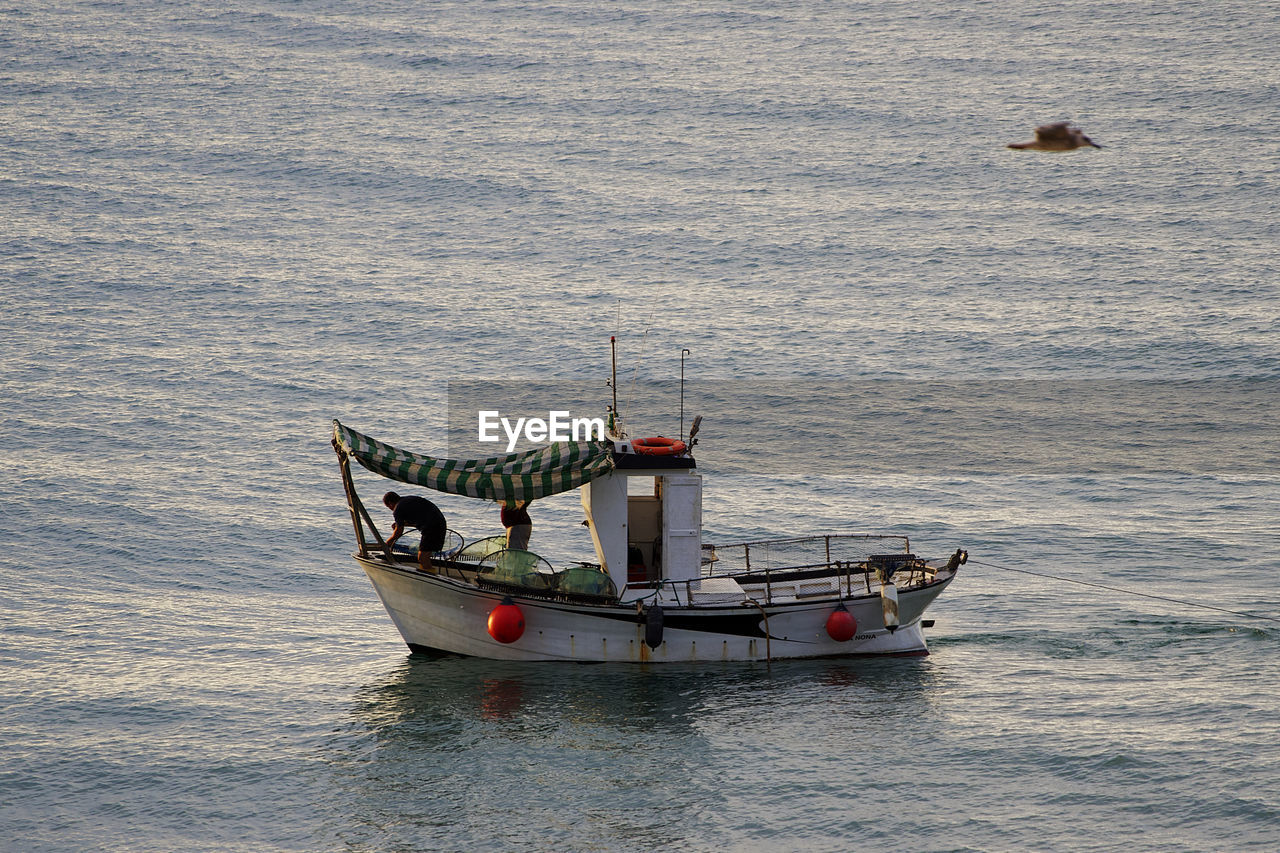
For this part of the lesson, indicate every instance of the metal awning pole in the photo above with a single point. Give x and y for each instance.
(344, 466)
(357, 507)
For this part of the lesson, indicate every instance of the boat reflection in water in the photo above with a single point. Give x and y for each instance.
(468, 754)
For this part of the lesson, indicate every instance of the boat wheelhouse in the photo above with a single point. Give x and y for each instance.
(653, 591)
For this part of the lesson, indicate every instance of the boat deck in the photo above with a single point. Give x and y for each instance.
(764, 572)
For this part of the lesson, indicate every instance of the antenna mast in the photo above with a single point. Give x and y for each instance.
(613, 351)
(683, 353)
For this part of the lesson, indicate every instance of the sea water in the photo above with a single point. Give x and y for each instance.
(226, 224)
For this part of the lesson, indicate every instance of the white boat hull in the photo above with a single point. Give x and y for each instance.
(436, 612)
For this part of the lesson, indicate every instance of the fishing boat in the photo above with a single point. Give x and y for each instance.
(653, 591)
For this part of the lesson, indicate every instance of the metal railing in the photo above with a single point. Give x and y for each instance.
(803, 551)
(846, 555)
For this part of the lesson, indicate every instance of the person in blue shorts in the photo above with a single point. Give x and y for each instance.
(413, 511)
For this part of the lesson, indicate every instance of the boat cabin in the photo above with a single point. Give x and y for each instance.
(646, 519)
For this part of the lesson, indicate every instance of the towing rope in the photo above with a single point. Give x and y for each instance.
(1126, 591)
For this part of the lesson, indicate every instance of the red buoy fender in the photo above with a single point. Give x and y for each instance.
(506, 622)
(658, 446)
(841, 626)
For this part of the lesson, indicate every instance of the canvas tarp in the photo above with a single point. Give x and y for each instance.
(559, 467)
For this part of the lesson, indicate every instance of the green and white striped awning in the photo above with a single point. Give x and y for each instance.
(528, 476)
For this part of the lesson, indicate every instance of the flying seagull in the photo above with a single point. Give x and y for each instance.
(1059, 136)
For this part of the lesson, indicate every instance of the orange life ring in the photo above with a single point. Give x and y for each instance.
(657, 446)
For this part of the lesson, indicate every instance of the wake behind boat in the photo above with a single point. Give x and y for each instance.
(653, 591)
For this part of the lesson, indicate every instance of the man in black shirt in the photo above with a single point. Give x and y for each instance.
(413, 511)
